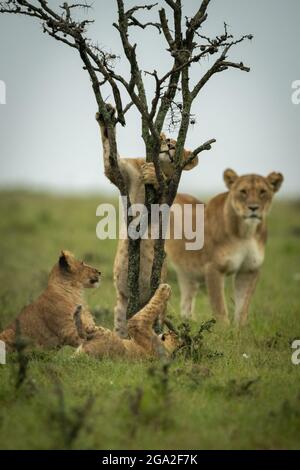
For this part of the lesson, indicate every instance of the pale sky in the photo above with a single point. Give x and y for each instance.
(50, 140)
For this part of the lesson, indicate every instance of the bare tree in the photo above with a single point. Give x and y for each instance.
(173, 95)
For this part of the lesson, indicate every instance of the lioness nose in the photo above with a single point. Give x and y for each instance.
(253, 207)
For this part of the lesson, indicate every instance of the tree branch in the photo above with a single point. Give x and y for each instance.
(206, 146)
(172, 90)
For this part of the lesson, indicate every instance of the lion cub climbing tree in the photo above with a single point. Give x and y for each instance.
(185, 44)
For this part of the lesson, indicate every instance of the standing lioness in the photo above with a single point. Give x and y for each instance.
(235, 231)
(48, 322)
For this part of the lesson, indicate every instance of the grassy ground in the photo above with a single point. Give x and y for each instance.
(239, 391)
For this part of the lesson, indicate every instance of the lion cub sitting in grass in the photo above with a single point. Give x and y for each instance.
(49, 321)
(143, 342)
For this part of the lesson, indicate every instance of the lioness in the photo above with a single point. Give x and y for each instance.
(136, 173)
(235, 236)
(48, 322)
(143, 341)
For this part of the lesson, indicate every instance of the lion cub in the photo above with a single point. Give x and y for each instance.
(143, 342)
(136, 173)
(48, 322)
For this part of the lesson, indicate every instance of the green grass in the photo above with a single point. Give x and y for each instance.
(206, 403)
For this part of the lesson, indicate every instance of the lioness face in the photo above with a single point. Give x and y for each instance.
(78, 271)
(167, 154)
(251, 195)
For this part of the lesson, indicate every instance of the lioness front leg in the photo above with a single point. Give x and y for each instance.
(215, 281)
(244, 287)
(188, 290)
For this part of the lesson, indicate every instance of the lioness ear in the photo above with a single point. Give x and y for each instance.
(65, 260)
(230, 177)
(275, 180)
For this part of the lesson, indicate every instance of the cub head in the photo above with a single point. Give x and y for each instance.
(77, 271)
(171, 341)
(167, 154)
(251, 195)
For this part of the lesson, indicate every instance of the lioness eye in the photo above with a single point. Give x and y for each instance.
(243, 192)
(263, 192)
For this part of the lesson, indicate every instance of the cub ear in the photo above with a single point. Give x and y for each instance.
(163, 137)
(230, 177)
(65, 261)
(275, 180)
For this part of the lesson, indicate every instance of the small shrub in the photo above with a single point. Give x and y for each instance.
(193, 343)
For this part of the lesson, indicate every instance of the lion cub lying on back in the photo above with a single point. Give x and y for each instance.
(48, 322)
(143, 341)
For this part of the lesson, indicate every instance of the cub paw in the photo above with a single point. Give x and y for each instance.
(148, 174)
(110, 109)
(165, 290)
